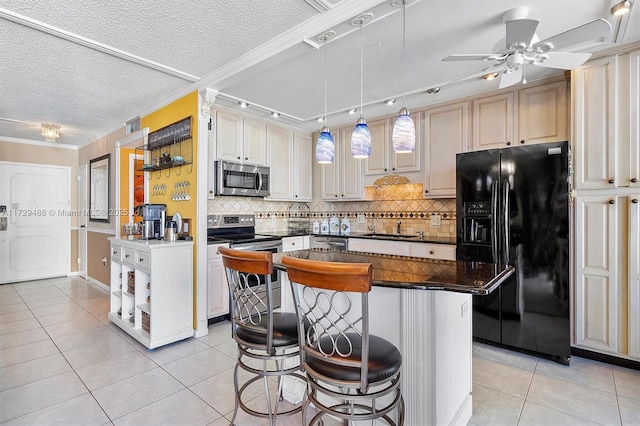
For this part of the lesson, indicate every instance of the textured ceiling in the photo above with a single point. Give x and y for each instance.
(91, 66)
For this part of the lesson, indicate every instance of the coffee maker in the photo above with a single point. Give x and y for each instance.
(153, 220)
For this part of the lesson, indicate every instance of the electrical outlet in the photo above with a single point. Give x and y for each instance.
(360, 218)
(436, 220)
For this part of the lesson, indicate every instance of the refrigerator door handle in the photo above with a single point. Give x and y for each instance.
(505, 218)
(494, 222)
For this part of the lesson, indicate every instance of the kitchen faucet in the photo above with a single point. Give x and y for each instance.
(398, 227)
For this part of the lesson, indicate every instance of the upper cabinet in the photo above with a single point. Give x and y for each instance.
(383, 160)
(289, 156)
(532, 115)
(240, 139)
(606, 111)
(342, 179)
(446, 133)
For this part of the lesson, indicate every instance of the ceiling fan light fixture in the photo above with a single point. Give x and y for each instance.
(50, 132)
(621, 8)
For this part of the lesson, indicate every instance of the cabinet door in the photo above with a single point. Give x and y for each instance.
(593, 105)
(281, 161)
(493, 121)
(542, 113)
(350, 183)
(634, 276)
(330, 178)
(303, 167)
(446, 134)
(634, 119)
(378, 161)
(217, 289)
(254, 142)
(409, 161)
(597, 249)
(228, 130)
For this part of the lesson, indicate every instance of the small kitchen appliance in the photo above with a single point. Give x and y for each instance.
(153, 220)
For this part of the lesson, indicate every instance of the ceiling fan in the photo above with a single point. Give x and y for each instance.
(522, 47)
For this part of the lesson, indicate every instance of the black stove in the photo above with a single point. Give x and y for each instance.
(236, 230)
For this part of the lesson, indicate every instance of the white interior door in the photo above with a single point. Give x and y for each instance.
(83, 207)
(36, 242)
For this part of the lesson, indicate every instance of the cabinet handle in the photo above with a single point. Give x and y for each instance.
(393, 168)
(522, 141)
(385, 169)
(611, 181)
(612, 202)
(508, 143)
(430, 251)
(634, 180)
(293, 244)
(634, 201)
(141, 259)
(426, 191)
(296, 196)
(246, 158)
(238, 158)
(126, 255)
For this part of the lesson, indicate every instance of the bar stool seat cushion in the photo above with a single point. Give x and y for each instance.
(385, 359)
(285, 330)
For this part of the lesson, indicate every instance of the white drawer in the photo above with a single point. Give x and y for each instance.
(116, 253)
(128, 255)
(212, 251)
(433, 251)
(293, 243)
(143, 259)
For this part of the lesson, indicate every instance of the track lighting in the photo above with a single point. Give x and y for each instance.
(621, 8)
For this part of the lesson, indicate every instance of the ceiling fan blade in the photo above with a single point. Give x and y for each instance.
(564, 60)
(509, 79)
(520, 32)
(474, 57)
(589, 31)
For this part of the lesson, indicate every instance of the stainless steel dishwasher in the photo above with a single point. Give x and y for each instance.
(329, 242)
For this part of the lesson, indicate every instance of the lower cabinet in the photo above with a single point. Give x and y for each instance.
(217, 288)
(607, 278)
(152, 290)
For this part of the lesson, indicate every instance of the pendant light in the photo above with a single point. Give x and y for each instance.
(361, 136)
(325, 146)
(404, 130)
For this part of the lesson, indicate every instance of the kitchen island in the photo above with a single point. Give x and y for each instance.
(423, 306)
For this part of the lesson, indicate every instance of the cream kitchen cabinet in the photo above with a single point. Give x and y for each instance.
(342, 179)
(535, 114)
(152, 290)
(383, 160)
(606, 111)
(446, 133)
(239, 138)
(217, 288)
(432, 251)
(607, 296)
(299, 242)
(289, 154)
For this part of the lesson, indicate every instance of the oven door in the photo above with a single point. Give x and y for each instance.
(241, 179)
(261, 286)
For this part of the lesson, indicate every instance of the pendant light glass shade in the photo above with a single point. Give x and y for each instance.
(361, 140)
(404, 133)
(403, 137)
(361, 136)
(325, 147)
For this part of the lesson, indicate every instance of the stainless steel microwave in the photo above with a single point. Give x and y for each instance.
(241, 180)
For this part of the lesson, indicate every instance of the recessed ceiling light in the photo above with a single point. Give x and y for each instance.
(352, 111)
(490, 76)
(621, 8)
(433, 90)
(275, 114)
(243, 104)
(390, 101)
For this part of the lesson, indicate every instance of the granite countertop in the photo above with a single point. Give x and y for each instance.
(415, 273)
(408, 238)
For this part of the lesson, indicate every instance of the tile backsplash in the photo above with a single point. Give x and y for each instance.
(414, 214)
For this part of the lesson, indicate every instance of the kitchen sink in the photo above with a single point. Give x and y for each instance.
(376, 234)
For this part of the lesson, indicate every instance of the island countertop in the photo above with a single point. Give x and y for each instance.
(405, 272)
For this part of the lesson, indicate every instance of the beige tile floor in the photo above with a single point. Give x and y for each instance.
(62, 362)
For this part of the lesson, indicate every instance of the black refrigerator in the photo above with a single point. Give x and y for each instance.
(512, 207)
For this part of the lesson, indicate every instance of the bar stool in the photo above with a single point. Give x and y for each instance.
(264, 337)
(351, 374)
